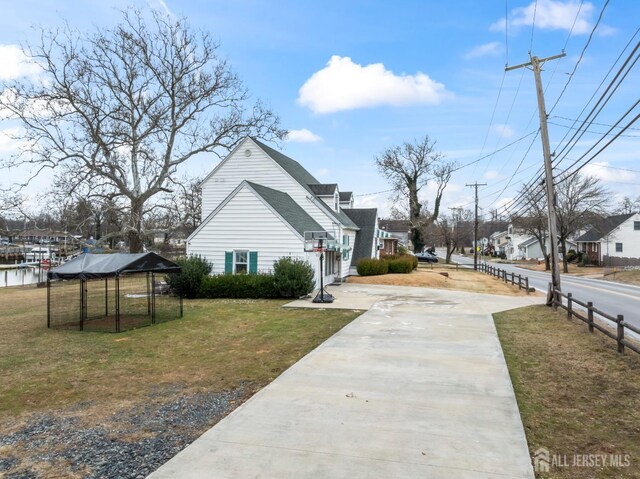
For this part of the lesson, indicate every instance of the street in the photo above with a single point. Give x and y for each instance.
(608, 296)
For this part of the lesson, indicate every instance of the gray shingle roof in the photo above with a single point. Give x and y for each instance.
(604, 227)
(302, 176)
(365, 218)
(345, 196)
(324, 189)
(286, 207)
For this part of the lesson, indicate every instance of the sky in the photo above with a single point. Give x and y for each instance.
(352, 78)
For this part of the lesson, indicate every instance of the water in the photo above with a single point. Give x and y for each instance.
(22, 276)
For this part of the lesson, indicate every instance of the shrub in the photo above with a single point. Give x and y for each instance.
(187, 282)
(372, 267)
(400, 265)
(293, 277)
(246, 286)
(572, 255)
(586, 261)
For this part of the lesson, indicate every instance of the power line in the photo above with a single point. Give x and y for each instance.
(584, 49)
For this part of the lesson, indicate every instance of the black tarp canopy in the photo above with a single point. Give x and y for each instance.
(92, 266)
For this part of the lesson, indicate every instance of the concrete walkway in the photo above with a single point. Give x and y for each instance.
(416, 387)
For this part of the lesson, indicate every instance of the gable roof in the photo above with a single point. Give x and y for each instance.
(304, 178)
(90, 266)
(289, 210)
(365, 218)
(281, 203)
(345, 196)
(295, 169)
(397, 226)
(604, 227)
(324, 189)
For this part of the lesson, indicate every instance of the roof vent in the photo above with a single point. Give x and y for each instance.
(247, 152)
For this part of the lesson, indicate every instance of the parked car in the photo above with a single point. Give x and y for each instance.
(428, 257)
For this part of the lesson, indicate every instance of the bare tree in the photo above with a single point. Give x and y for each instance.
(579, 200)
(410, 167)
(120, 109)
(627, 206)
(535, 221)
(454, 230)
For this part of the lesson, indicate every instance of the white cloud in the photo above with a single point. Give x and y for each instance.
(345, 85)
(552, 15)
(505, 131)
(8, 141)
(599, 169)
(492, 175)
(14, 63)
(323, 172)
(303, 136)
(486, 49)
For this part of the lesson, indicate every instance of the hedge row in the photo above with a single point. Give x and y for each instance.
(388, 264)
(291, 278)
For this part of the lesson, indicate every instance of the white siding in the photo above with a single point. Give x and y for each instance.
(261, 169)
(628, 236)
(344, 265)
(246, 223)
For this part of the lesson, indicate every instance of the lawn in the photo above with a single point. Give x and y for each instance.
(219, 345)
(625, 276)
(578, 397)
(431, 276)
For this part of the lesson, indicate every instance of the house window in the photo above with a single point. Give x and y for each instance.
(618, 247)
(240, 263)
(636, 225)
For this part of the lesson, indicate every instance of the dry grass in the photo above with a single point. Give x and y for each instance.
(219, 345)
(577, 395)
(461, 280)
(574, 269)
(627, 277)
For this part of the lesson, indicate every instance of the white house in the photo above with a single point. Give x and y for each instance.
(615, 240)
(257, 204)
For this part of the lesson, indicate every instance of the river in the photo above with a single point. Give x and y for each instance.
(22, 276)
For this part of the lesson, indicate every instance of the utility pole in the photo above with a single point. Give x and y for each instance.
(475, 226)
(535, 65)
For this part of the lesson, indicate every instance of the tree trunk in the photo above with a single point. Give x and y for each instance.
(565, 265)
(135, 227)
(547, 262)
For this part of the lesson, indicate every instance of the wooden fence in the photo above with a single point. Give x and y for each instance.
(507, 277)
(618, 320)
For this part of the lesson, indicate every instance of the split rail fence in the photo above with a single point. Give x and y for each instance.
(591, 311)
(508, 277)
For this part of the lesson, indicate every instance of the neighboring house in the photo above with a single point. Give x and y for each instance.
(397, 229)
(499, 241)
(615, 240)
(257, 204)
(531, 249)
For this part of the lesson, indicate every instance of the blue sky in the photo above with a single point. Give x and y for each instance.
(350, 78)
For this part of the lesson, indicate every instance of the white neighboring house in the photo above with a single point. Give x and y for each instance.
(530, 248)
(257, 203)
(515, 236)
(613, 241)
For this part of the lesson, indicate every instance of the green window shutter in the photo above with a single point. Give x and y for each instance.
(228, 262)
(253, 261)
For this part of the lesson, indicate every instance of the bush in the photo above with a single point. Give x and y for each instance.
(400, 265)
(187, 282)
(586, 261)
(372, 267)
(572, 256)
(293, 278)
(246, 286)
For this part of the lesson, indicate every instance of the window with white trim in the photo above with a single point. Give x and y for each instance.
(618, 247)
(240, 261)
(636, 225)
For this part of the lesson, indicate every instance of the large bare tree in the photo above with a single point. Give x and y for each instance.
(579, 201)
(118, 110)
(454, 230)
(410, 167)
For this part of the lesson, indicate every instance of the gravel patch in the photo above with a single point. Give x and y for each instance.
(134, 443)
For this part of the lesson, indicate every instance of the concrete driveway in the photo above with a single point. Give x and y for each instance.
(416, 387)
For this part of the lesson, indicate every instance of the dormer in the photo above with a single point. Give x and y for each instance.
(346, 199)
(328, 193)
